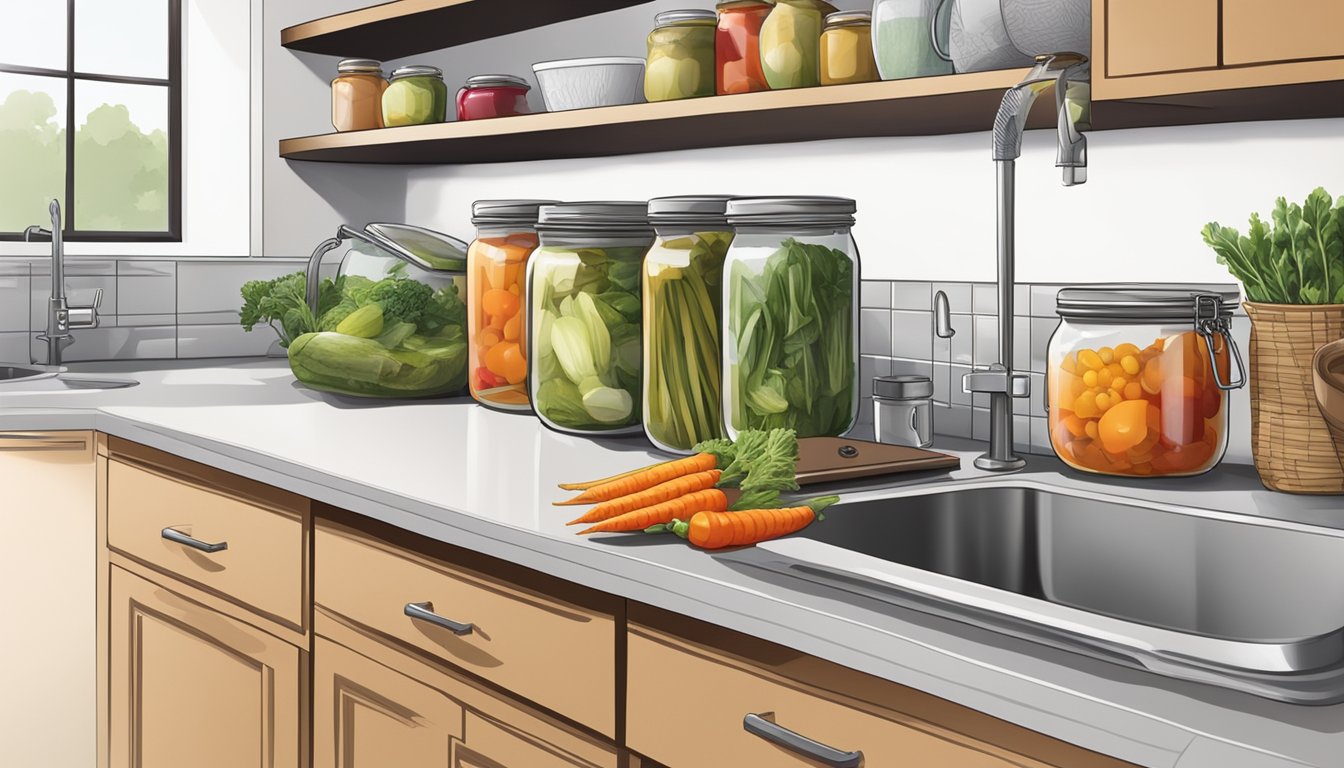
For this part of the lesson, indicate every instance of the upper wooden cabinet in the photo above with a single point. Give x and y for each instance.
(1148, 36)
(1264, 31)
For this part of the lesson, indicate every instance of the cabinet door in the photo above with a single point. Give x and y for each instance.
(1150, 36)
(1258, 32)
(368, 716)
(48, 552)
(192, 687)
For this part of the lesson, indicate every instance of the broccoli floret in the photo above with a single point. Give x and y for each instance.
(283, 299)
(402, 300)
(444, 309)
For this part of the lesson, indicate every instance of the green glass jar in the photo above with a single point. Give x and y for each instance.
(417, 95)
(791, 43)
(681, 55)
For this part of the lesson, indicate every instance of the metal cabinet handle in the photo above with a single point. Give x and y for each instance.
(178, 537)
(796, 742)
(425, 612)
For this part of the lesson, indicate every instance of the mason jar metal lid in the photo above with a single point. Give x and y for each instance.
(417, 70)
(758, 211)
(689, 209)
(359, 66)
(1137, 302)
(598, 215)
(848, 18)
(668, 18)
(496, 81)
(507, 211)
(903, 387)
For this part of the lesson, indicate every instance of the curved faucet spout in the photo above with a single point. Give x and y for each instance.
(1057, 69)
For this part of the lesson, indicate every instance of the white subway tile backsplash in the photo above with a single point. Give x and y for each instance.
(146, 268)
(14, 301)
(875, 332)
(963, 343)
(1041, 331)
(953, 422)
(1040, 437)
(141, 293)
(116, 343)
(76, 267)
(1021, 344)
(979, 424)
(224, 341)
(958, 296)
(959, 394)
(1043, 300)
(214, 286)
(942, 383)
(875, 294)
(1022, 434)
(918, 296)
(14, 347)
(985, 298)
(225, 317)
(986, 340)
(132, 321)
(911, 335)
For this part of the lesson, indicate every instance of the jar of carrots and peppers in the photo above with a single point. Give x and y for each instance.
(1138, 379)
(506, 235)
(737, 46)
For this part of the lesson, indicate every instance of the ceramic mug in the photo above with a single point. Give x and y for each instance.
(979, 39)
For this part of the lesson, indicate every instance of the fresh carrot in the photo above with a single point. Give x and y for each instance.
(644, 479)
(716, 530)
(683, 508)
(667, 491)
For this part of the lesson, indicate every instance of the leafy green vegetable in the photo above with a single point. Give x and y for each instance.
(365, 322)
(763, 463)
(1297, 259)
(402, 300)
(284, 301)
(791, 330)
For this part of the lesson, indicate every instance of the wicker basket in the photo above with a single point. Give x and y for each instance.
(1292, 443)
(1330, 391)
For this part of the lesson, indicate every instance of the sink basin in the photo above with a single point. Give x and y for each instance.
(23, 379)
(16, 372)
(1225, 599)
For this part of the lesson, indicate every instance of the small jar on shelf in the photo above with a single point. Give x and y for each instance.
(791, 43)
(681, 56)
(415, 96)
(847, 49)
(357, 95)
(486, 96)
(584, 315)
(737, 46)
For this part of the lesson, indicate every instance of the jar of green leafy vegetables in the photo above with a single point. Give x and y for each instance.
(683, 293)
(584, 315)
(790, 349)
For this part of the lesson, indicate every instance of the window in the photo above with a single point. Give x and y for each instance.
(91, 115)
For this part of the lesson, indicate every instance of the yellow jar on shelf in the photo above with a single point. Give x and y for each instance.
(791, 42)
(681, 55)
(847, 49)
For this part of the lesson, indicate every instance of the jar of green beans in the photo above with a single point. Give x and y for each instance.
(683, 295)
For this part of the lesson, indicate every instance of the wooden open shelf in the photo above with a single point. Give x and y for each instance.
(920, 106)
(406, 27)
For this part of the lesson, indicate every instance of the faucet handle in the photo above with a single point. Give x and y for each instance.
(86, 316)
(996, 379)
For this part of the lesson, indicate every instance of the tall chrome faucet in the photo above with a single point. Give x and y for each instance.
(61, 317)
(1002, 385)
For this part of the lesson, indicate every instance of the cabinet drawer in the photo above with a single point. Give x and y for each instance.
(265, 561)
(556, 653)
(1151, 36)
(1257, 32)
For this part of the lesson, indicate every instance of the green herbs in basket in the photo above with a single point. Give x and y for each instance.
(1295, 258)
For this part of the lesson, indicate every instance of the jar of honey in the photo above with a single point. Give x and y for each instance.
(1138, 379)
(847, 49)
(357, 95)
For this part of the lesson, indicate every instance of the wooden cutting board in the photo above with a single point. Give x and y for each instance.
(835, 459)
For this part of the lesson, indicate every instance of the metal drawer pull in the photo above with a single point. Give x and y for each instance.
(796, 742)
(187, 541)
(425, 612)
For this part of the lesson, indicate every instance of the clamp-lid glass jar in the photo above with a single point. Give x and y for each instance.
(683, 297)
(486, 96)
(584, 314)
(357, 95)
(790, 351)
(416, 96)
(506, 235)
(1138, 379)
(847, 49)
(681, 55)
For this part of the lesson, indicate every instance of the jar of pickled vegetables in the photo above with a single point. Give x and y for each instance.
(506, 235)
(357, 95)
(417, 95)
(790, 350)
(681, 56)
(847, 49)
(791, 43)
(1138, 379)
(683, 296)
(584, 313)
(737, 46)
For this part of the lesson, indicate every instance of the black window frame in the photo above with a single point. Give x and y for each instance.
(71, 76)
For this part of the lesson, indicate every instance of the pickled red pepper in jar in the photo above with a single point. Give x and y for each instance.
(497, 270)
(737, 46)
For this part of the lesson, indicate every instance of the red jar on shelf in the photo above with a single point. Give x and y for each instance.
(737, 46)
(486, 96)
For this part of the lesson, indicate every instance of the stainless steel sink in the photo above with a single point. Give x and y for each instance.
(24, 379)
(16, 372)
(1246, 603)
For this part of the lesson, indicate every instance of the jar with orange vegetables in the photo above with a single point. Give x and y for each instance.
(506, 235)
(737, 46)
(1138, 379)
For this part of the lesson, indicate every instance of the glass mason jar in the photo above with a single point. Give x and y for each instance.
(681, 56)
(791, 43)
(790, 349)
(683, 296)
(1137, 379)
(486, 96)
(357, 95)
(416, 95)
(847, 49)
(910, 38)
(584, 314)
(506, 235)
(737, 46)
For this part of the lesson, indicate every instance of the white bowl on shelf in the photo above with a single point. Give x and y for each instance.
(605, 81)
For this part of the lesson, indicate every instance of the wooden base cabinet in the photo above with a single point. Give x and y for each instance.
(192, 687)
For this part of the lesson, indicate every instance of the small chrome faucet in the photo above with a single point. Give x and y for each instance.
(1061, 70)
(61, 317)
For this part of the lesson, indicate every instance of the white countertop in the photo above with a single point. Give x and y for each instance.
(486, 481)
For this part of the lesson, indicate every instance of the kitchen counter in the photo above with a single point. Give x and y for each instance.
(486, 481)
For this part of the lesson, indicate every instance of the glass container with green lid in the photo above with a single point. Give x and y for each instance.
(416, 95)
(683, 296)
(584, 314)
(790, 350)
(681, 55)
